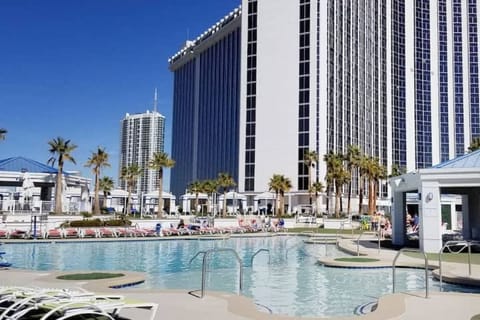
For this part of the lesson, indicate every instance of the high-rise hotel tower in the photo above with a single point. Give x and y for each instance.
(397, 78)
(142, 135)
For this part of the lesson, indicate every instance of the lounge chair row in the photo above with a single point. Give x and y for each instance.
(49, 304)
(61, 233)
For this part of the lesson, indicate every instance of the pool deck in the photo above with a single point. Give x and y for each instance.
(178, 304)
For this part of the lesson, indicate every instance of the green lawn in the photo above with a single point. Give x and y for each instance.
(90, 276)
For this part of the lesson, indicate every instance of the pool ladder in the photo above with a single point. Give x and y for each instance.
(206, 254)
(426, 267)
(456, 243)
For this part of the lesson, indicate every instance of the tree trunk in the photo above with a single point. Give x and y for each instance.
(160, 194)
(360, 196)
(349, 197)
(96, 207)
(224, 211)
(58, 192)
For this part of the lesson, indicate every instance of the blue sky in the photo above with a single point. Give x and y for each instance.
(74, 68)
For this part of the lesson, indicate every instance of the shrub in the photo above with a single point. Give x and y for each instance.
(86, 214)
(118, 223)
(86, 223)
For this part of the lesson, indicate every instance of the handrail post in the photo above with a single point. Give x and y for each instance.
(358, 244)
(469, 259)
(257, 252)
(395, 262)
(206, 254)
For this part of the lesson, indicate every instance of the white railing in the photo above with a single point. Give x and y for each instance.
(13, 207)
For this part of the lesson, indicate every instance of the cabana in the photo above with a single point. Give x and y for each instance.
(235, 202)
(264, 203)
(188, 202)
(149, 202)
(459, 176)
(32, 184)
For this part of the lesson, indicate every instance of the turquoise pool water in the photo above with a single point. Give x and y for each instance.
(292, 284)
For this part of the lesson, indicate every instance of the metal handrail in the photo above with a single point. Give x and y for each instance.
(257, 252)
(426, 267)
(195, 256)
(358, 243)
(208, 253)
(464, 244)
(342, 228)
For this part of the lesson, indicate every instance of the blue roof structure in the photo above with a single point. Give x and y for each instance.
(21, 164)
(468, 160)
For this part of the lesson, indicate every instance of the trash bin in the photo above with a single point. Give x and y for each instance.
(158, 226)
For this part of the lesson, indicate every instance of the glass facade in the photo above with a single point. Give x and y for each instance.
(304, 93)
(473, 71)
(423, 115)
(206, 112)
(251, 102)
(458, 77)
(399, 121)
(443, 79)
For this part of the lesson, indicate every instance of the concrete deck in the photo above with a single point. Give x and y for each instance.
(181, 305)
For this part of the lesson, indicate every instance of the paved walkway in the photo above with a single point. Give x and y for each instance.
(180, 305)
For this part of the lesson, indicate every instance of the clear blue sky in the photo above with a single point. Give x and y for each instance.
(74, 68)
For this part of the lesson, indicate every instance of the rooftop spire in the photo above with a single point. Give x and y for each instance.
(155, 101)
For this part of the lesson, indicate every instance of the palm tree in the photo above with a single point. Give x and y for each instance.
(97, 161)
(225, 181)
(374, 172)
(130, 175)
(339, 176)
(279, 184)
(310, 158)
(352, 157)
(362, 173)
(209, 187)
(316, 188)
(195, 188)
(3, 133)
(474, 145)
(61, 150)
(105, 184)
(397, 170)
(329, 158)
(159, 161)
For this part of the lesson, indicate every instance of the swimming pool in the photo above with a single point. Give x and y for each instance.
(292, 284)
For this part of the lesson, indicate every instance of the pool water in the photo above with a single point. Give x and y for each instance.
(292, 283)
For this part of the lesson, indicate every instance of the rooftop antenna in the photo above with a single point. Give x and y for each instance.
(155, 101)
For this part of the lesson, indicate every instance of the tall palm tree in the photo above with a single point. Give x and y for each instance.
(225, 181)
(97, 161)
(316, 188)
(329, 159)
(195, 188)
(474, 145)
(339, 176)
(3, 133)
(279, 184)
(352, 157)
(310, 158)
(159, 161)
(363, 165)
(105, 184)
(130, 175)
(374, 172)
(61, 151)
(209, 187)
